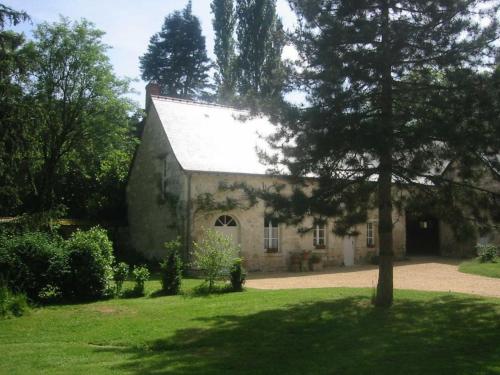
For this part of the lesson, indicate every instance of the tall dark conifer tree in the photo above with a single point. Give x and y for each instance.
(177, 58)
(260, 42)
(224, 22)
(389, 86)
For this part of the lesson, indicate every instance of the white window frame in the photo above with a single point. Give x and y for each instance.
(370, 234)
(269, 238)
(319, 234)
(225, 221)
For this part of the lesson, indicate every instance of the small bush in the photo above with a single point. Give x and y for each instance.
(487, 253)
(121, 272)
(141, 275)
(171, 269)
(238, 275)
(90, 262)
(214, 256)
(12, 304)
(32, 262)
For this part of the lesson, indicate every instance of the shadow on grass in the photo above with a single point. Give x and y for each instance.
(443, 335)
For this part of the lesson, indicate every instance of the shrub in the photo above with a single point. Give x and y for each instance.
(121, 271)
(141, 275)
(12, 304)
(487, 252)
(90, 261)
(32, 262)
(238, 275)
(214, 256)
(171, 269)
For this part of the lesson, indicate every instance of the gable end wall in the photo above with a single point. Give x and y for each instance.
(154, 217)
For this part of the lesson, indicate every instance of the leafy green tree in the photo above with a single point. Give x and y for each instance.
(389, 105)
(224, 23)
(177, 58)
(260, 42)
(15, 61)
(80, 123)
(214, 255)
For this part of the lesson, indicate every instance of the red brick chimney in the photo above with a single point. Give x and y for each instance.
(152, 88)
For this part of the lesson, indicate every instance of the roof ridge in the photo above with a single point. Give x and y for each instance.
(198, 103)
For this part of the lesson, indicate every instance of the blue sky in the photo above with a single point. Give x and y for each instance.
(128, 25)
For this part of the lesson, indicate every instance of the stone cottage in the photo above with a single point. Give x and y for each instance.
(190, 150)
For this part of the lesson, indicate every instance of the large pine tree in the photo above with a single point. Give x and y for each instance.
(389, 86)
(176, 58)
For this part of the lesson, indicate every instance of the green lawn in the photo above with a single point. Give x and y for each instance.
(308, 331)
(483, 269)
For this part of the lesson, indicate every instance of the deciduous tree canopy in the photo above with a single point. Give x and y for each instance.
(67, 132)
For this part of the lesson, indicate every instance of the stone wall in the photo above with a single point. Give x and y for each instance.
(155, 217)
(449, 244)
(251, 227)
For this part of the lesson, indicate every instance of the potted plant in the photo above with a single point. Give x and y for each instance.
(295, 262)
(316, 263)
(305, 260)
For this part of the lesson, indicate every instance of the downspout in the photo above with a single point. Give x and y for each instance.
(188, 220)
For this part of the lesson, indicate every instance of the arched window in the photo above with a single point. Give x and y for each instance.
(225, 221)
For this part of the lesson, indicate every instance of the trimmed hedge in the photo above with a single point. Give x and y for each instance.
(237, 275)
(171, 269)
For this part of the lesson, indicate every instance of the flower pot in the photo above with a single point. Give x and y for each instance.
(316, 266)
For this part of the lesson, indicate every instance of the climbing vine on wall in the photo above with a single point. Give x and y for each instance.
(206, 202)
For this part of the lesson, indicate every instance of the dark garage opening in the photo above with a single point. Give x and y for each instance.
(422, 235)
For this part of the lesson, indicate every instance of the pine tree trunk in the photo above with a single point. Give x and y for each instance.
(385, 277)
(385, 285)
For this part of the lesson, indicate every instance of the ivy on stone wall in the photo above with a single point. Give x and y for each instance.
(206, 202)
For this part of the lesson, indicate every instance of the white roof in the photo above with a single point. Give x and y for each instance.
(212, 138)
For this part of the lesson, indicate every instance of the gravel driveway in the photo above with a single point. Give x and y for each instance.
(436, 274)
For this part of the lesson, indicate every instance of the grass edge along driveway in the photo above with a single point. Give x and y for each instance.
(475, 267)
